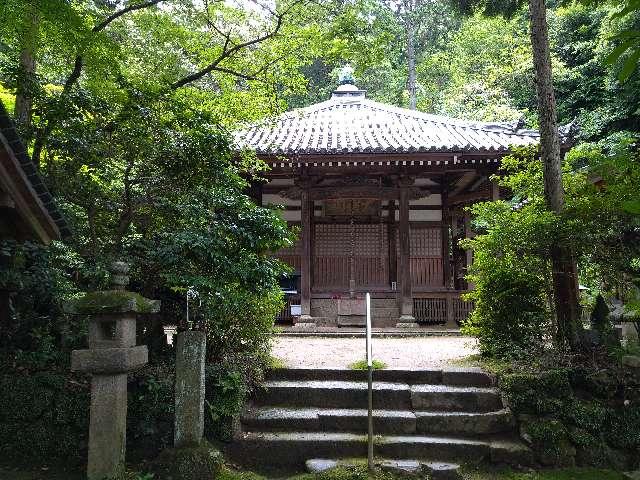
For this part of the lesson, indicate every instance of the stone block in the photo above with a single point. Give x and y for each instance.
(190, 388)
(112, 331)
(511, 453)
(449, 398)
(111, 301)
(401, 467)
(109, 360)
(442, 471)
(465, 422)
(318, 465)
(107, 426)
(468, 377)
(352, 306)
(631, 361)
(197, 462)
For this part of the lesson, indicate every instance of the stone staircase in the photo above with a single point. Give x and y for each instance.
(453, 415)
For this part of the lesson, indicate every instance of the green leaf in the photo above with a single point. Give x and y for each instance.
(618, 51)
(629, 66)
(632, 207)
(632, 6)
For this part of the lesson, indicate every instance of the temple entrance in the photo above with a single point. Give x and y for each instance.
(345, 252)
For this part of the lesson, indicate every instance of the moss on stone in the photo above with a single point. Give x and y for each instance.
(200, 462)
(550, 443)
(111, 301)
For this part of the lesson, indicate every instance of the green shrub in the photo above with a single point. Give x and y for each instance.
(550, 442)
(590, 417)
(362, 365)
(622, 429)
(537, 393)
(43, 418)
(509, 315)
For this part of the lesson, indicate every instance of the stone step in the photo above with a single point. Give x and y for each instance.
(386, 395)
(327, 420)
(467, 423)
(469, 377)
(334, 394)
(384, 421)
(450, 398)
(292, 449)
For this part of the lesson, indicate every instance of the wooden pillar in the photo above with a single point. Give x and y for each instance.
(406, 298)
(391, 232)
(446, 219)
(468, 233)
(306, 210)
(495, 191)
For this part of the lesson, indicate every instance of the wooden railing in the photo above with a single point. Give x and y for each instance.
(284, 316)
(440, 308)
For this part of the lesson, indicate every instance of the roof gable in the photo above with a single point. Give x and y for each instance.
(20, 180)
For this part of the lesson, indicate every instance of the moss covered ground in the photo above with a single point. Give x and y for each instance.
(356, 474)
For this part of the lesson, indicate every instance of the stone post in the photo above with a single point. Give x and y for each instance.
(190, 388)
(112, 353)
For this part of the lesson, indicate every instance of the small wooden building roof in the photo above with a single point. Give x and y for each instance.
(350, 123)
(27, 209)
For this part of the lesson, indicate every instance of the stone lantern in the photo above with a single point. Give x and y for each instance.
(111, 355)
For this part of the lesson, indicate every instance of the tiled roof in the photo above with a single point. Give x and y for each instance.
(8, 131)
(350, 123)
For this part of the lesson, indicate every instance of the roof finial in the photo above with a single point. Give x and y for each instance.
(345, 75)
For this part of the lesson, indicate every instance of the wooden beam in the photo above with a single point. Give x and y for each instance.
(469, 197)
(305, 258)
(477, 183)
(463, 182)
(406, 299)
(393, 252)
(446, 219)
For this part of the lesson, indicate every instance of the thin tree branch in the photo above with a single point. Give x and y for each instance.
(79, 62)
(226, 53)
(73, 77)
(139, 6)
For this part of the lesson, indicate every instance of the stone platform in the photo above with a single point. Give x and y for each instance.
(353, 332)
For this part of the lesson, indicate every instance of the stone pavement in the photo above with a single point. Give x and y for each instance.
(420, 352)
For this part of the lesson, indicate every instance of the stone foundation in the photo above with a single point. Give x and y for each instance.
(384, 313)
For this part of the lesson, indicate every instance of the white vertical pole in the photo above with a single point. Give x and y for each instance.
(370, 386)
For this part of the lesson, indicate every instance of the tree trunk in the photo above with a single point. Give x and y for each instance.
(565, 285)
(411, 61)
(26, 79)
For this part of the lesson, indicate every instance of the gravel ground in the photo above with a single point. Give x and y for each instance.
(395, 352)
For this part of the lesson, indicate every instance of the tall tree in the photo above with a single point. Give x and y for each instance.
(26, 77)
(565, 282)
(564, 272)
(424, 23)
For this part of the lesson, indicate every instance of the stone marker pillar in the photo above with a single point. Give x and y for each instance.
(190, 388)
(112, 353)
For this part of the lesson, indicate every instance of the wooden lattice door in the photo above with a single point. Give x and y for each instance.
(425, 243)
(342, 250)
